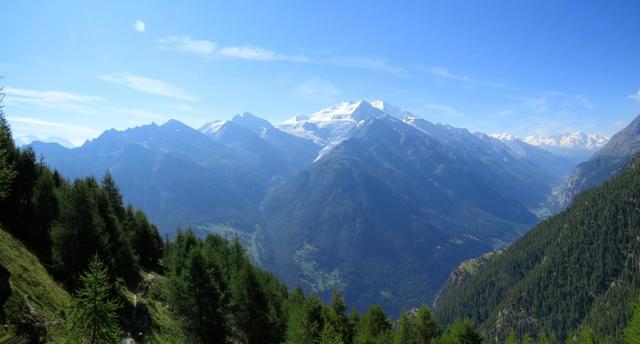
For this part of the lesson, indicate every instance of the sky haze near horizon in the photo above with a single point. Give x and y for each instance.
(76, 68)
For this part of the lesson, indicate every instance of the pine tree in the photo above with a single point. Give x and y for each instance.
(374, 327)
(329, 335)
(195, 292)
(405, 332)
(202, 307)
(7, 167)
(460, 332)
(113, 194)
(305, 321)
(426, 326)
(94, 319)
(337, 317)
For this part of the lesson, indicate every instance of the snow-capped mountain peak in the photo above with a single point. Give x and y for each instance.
(390, 109)
(333, 123)
(576, 139)
(504, 137)
(212, 127)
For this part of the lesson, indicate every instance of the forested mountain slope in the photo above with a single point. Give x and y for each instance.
(386, 215)
(578, 267)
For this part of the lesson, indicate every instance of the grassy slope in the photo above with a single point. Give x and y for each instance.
(31, 282)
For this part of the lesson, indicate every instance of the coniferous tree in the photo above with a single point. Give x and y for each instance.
(251, 313)
(426, 326)
(198, 299)
(94, 318)
(337, 317)
(75, 236)
(305, 321)
(7, 168)
(329, 335)
(113, 194)
(405, 332)
(374, 327)
(460, 332)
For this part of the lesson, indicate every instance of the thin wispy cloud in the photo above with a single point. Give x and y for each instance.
(635, 96)
(148, 85)
(50, 99)
(255, 53)
(186, 43)
(258, 54)
(209, 48)
(443, 73)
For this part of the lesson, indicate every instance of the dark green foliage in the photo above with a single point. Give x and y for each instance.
(7, 169)
(241, 302)
(426, 327)
(337, 318)
(306, 320)
(579, 267)
(374, 327)
(460, 332)
(329, 335)
(93, 318)
(197, 295)
(405, 332)
(144, 237)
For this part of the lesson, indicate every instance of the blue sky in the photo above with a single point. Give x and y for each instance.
(74, 69)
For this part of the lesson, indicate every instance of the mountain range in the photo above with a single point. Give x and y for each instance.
(575, 146)
(28, 139)
(358, 196)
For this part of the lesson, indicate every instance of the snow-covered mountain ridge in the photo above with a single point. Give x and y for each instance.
(570, 140)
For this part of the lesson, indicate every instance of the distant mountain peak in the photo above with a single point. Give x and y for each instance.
(569, 140)
(212, 127)
(174, 124)
(576, 139)
(504, 137)
(28, 139)
(390, 109)
(333, 123)
(252, 122)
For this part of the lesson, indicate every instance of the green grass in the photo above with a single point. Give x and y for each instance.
(165, 327)
(31, 283)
